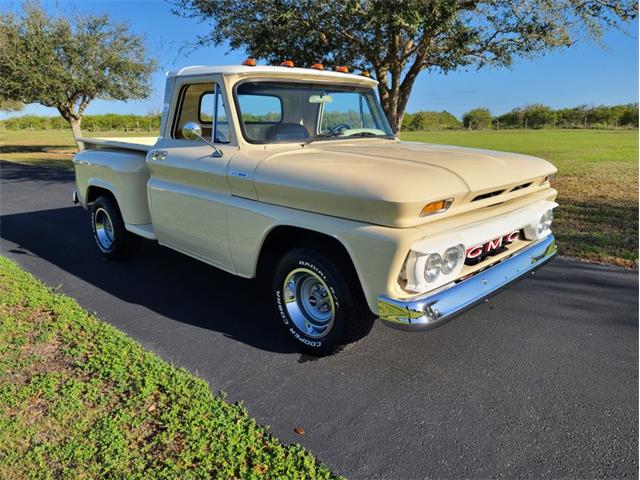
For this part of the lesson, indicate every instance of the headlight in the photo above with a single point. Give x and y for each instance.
(541, 229)
(452, 258)
(432, 267)
(548, 179)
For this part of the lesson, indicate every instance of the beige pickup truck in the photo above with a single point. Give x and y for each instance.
(293, 175)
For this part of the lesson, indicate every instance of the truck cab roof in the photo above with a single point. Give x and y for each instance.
(268, 71)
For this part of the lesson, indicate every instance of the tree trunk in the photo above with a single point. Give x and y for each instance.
(77, 132)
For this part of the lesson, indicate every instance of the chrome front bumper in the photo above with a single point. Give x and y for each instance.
(433, 309)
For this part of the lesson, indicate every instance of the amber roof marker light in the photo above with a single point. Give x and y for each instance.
(317, 66)
(342, 69)
(364, 73)
(249, 62)
(287, 63)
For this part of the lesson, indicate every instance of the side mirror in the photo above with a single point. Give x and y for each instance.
(192, 131)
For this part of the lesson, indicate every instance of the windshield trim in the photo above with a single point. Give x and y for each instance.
(302, 82)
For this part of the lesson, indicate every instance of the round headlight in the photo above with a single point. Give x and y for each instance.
(544, 225)
(452, 259)
(432, 267)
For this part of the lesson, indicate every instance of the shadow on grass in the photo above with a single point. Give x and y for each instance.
(599, 229)
(60, 149)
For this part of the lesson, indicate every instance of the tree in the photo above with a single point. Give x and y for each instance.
(7, 105)
(396, 40)
(66, 64)
(477, 119)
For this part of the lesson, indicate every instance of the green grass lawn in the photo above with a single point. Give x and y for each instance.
(597, 178)
(79, 399)
(597, 183)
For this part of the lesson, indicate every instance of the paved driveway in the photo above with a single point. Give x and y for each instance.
(540, 382)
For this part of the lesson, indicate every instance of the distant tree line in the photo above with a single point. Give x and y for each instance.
(533, 116)
(109, 121)
(530, 116)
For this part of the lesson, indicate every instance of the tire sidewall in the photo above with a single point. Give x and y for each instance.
(322, 268)
(116, 222)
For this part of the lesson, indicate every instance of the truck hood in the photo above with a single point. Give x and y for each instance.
(388, 183)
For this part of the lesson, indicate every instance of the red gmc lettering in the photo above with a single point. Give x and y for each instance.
(513, 236)
(474, 252)
(493, 245)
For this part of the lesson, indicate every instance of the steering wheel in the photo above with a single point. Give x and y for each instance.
(338, 128)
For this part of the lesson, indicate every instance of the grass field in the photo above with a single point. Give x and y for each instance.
(597, 178)
(79, 399)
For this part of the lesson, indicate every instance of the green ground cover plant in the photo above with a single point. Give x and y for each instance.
(80, 399)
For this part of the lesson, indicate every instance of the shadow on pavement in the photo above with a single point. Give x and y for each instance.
(158, 278)
(28, 173)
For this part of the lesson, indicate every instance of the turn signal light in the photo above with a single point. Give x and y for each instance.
(436, 207)
(317, 66)
(342, 69)
(287, 63)
(249, 62)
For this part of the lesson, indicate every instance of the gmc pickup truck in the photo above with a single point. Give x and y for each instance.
(293, 175)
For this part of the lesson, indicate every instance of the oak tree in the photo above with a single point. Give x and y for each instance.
(66, 64)
(395, 40)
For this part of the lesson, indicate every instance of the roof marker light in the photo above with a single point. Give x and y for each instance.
(317, 66)
(342, 69)
(249, 62)
(287, 63)
(364, 73)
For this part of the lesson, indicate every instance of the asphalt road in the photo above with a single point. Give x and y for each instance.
(540, 382)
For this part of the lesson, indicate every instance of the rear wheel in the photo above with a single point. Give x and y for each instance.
(109, 233)
(320, 306)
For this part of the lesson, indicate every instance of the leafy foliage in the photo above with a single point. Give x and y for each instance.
(66, 64)
(396, 40)
(79, 399)
(429, 121)
(7, 105)
(101, 123)
(583, 116)
(477, 119)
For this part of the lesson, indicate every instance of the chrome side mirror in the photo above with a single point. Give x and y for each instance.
(192, 131)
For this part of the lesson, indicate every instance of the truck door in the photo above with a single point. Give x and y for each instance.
(188, 189)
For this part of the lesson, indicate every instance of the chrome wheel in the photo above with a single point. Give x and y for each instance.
(309, 302)
(104, 229)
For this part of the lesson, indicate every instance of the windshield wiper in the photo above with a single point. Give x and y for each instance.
(368, 135)
(320, 136)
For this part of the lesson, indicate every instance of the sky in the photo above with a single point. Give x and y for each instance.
(583, 74)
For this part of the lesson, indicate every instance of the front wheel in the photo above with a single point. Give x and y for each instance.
(319, 306)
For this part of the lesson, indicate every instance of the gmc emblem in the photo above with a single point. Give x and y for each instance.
(480, 252)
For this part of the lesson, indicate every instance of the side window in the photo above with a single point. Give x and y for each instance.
(205, 112)
(199, 103)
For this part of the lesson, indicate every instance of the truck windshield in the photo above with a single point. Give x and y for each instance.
(275, 112)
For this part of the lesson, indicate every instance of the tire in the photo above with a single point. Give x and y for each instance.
(325, 307)
(111, 238)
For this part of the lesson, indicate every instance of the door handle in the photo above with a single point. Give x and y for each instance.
(158, 155)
